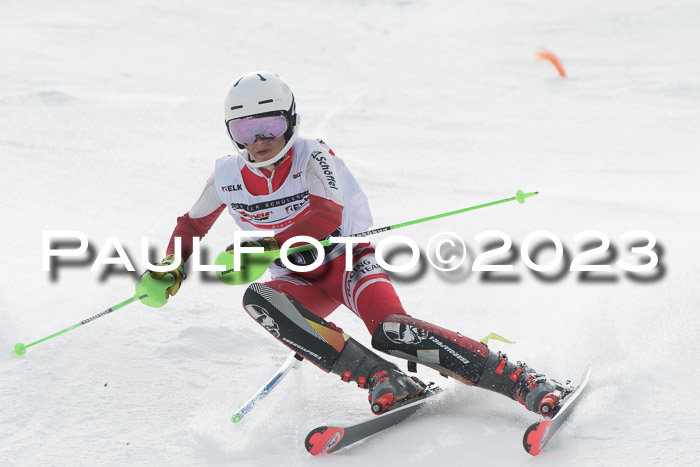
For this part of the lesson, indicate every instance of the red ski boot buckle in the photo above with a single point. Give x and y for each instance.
(547, 405)
(382, 403)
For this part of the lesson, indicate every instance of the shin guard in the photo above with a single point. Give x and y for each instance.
(296, 327)
(310, 336)
(418, 341)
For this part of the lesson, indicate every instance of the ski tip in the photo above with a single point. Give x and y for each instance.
(323, 440)
(536, 437)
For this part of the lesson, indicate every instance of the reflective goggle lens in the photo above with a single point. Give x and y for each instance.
(247, 130)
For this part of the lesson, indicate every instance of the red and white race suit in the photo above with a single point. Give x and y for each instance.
(310, 193)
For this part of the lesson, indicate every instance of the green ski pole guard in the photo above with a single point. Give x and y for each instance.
(151, 291)
(253, 265)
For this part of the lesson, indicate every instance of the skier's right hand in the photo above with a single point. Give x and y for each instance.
(178, 274)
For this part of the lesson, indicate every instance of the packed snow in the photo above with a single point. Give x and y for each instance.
(112, 119)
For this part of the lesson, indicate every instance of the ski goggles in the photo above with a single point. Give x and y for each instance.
(247, 130)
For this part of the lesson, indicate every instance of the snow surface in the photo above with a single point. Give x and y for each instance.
(111, 121)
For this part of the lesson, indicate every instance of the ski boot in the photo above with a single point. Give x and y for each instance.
(468, 361)
(535, 391)
(391, 386)
(386, 383)
(541, 395)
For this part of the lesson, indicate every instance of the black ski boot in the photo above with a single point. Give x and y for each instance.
(467, 360)
(386, 383)
(535, 391)
(390, 386)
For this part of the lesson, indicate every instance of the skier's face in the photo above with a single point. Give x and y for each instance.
(264, 149)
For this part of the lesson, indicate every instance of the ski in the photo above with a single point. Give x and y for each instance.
(327, 439)
(538, 434)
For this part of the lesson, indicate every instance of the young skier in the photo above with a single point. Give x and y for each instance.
(297, 186)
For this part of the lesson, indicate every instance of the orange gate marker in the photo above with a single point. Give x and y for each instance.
(547, 55)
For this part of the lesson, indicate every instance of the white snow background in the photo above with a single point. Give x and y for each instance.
(111, 119)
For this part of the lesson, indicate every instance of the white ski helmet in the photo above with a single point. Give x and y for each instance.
(259, 93)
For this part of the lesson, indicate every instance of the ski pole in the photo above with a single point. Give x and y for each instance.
(149, 291)
(21, 349)
(290, 363)
(253, 267)
(519, 197)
